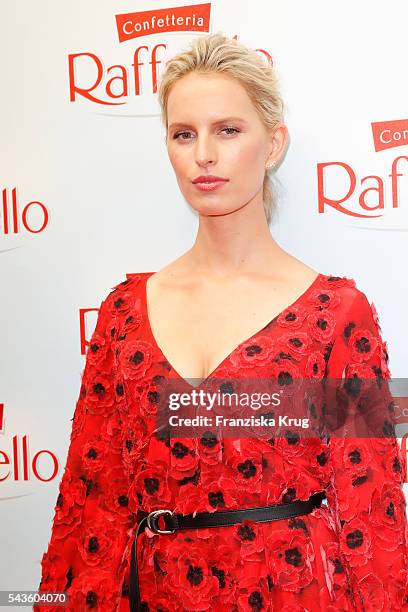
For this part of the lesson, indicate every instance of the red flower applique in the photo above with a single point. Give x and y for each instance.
(69, 506)
(136, 358)
(355, 542)
(131, 320)
(123, 301)
(286, 374)
(189, 574)
(94, 589)
(356, 456)
(321, 325)
(249, 538)
(97, 542)
(93, 455)
(395, 463)
(247, 470)
(253, 352)
(209, 448)
(290, 557)
(97, 349)
(292, 317)
(254, 594)
(150, 400)
(315, 365)
(297, 344)
(362, 344)
(152, 484)
(116, 500)
(337, 282)
(100, 394)
(388, 516)
(324, 298)
(54, 572)
(220, 494)
(183, 457)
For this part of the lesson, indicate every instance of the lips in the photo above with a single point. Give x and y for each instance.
(212, 186)
(209, 178)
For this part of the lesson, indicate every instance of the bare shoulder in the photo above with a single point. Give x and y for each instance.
(305, 273)
(293, 272)
(173, 275)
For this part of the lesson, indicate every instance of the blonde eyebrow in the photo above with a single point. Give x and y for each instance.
(180, 124)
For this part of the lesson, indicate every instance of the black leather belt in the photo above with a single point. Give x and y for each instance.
(173, 522)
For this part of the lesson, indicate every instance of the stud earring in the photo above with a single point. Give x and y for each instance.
(270, 164)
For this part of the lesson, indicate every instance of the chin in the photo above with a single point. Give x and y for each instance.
(212, 211)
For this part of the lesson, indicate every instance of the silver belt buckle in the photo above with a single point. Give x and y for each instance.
(154, 515)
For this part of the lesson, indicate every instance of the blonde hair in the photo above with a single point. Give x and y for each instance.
(219, 54)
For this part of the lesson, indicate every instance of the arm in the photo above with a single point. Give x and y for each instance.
(367, 471)
(91, 529)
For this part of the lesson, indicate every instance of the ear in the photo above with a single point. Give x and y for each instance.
(277, 141)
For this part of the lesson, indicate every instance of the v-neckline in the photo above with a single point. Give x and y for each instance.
(215, 370)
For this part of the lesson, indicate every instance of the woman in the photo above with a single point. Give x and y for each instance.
(236, 305)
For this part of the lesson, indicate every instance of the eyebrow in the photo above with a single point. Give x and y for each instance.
(178, 124)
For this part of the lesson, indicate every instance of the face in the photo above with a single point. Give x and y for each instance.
(214, 129)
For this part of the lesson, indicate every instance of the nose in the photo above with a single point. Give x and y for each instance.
(205, 150)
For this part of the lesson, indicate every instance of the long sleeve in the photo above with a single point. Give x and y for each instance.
(88, 549)
(367, 471)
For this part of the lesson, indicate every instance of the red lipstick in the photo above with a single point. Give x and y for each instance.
(209, 182)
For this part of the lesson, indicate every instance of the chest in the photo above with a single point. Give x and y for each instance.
(197, 328)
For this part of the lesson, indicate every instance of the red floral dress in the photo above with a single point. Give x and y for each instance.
(350, 554)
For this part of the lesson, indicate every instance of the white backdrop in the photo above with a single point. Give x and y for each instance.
(98, 178)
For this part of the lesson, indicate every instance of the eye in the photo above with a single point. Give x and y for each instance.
(176, 136)
(230, 128)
